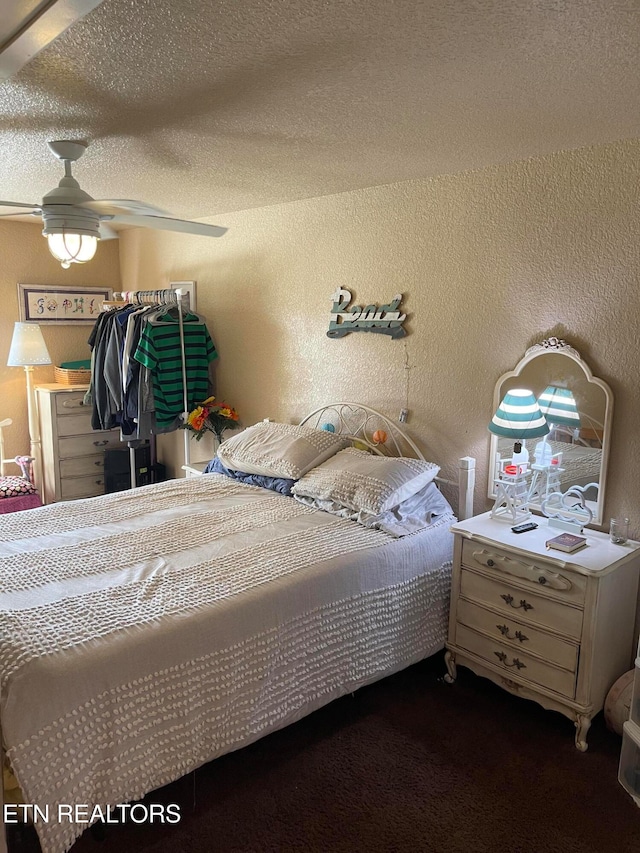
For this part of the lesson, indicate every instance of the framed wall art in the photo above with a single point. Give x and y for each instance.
(188, 287)
(44, 303)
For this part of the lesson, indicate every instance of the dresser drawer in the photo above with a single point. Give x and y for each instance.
(81, 487)
(516, 663)
(82, 466)
(569, 586)
(518, 636)
(84, 445)
(71, 402)
(526, 605)
(77, 424)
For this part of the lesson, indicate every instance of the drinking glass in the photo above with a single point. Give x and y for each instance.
(619, 530)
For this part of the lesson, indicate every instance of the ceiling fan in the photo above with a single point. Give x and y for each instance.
(74, 221)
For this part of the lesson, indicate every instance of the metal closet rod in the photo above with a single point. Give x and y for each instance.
(142, 296)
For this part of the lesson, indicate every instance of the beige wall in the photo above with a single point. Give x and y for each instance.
(489, 262)
(26, 260)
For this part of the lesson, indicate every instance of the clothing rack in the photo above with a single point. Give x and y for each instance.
(159, 297)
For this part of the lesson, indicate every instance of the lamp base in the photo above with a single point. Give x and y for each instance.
(545, 479)
(35, 442)
(512, 495)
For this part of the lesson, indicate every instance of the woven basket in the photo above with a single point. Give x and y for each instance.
(64, 376)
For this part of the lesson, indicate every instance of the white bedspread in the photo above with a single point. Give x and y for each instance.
(145, 633)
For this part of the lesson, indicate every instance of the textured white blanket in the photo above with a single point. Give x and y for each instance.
(145, 633)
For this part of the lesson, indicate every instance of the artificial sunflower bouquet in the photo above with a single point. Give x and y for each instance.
(210, 416)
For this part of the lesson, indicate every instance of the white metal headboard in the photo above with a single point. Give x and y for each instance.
(375, 431)
(366, 426)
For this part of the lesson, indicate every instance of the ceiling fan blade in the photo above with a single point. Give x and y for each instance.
(163, 223)
(30, 208)
(115, 206)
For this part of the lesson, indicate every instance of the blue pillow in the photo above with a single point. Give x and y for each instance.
(276, 484)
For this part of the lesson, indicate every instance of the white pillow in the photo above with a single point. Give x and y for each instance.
(410, 516)
(279, 450)
(365, 482)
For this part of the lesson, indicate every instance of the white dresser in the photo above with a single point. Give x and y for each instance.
(72, 453)
(543, 624)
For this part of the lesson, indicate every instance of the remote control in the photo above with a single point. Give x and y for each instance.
(522, 528)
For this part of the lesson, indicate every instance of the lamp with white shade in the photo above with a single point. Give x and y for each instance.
(518, 417)
(29, 350)
(559, 407)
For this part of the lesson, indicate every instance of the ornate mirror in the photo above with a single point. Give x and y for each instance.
(580, 450)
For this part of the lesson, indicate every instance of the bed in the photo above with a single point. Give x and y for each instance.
(147, 632)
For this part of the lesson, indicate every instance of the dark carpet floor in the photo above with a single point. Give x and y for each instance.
(407, 764)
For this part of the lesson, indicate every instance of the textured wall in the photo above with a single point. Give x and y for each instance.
(26, 260)
(490, 262)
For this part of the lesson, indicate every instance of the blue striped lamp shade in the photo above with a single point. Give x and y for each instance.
(519, 416)
(559, 406)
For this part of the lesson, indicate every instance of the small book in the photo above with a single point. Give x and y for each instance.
(567, 542)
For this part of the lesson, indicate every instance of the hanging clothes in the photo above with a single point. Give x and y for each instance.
(161, 350)
(104, 406)
(139, 354)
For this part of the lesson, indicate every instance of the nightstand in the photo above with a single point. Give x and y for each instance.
(194, 469)
(543, 624)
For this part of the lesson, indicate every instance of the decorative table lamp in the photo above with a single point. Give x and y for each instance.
(558, 405)
(518, 417)
(28, 349)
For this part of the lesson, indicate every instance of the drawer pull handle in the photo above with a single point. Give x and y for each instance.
(504, 630)
(502, 657)
(101, 443)
(524, 604)
(527, 571)
(99, 482)
(99, 463)
(72, 404)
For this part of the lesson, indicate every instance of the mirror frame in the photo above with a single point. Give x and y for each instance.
(557, 346)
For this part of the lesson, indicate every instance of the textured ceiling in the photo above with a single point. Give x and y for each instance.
(206, 107)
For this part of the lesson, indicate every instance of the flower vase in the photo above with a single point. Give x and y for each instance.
(207, 445)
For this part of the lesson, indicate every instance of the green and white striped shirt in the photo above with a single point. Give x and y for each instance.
(159, 350)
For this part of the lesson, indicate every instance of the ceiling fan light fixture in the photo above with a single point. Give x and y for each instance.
(74, 221)
(72, 233)
(70, 248)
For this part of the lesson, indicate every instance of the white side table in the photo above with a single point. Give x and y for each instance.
(194, 469)
(543, 624)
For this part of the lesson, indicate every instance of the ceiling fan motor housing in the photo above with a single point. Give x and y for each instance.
(58, 218)
(62, 211)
